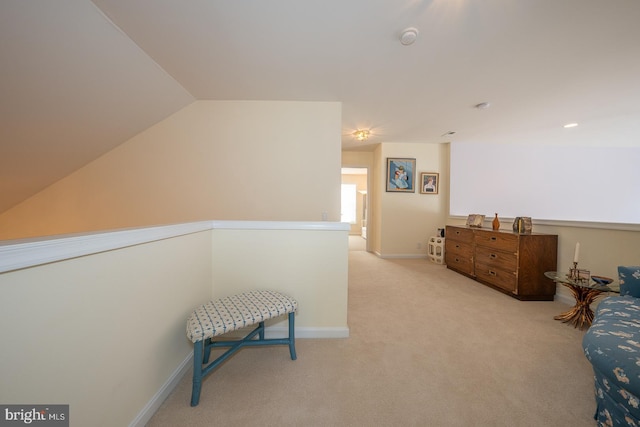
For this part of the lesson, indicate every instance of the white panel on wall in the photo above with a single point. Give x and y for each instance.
(593, 184)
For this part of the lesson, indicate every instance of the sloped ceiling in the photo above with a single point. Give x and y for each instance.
(79, 78)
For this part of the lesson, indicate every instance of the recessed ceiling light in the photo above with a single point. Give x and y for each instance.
(570, 125)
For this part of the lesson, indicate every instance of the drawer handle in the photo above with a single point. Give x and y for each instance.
(491, 272)
(457, 259)
(457, 233)
(493, 256)
(457, 246)
(494, 238)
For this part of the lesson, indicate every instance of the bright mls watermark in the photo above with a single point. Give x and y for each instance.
(36, 415)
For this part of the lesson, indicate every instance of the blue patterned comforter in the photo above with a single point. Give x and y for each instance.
(612, 345)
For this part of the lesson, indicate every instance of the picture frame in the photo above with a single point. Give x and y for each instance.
(579, 275)
(475, 220)
(401, 175)
(429, 182)
(522, 224)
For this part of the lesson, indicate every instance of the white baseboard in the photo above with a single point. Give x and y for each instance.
(283, 332)
(156, 402)
(401, 256)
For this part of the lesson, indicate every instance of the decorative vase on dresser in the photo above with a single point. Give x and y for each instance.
(512, 263)
(496, 223)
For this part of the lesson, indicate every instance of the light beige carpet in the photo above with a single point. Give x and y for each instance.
(428, 347)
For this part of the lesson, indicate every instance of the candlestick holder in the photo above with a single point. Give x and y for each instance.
(578, 275)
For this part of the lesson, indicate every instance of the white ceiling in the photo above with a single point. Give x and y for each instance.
(79, 78)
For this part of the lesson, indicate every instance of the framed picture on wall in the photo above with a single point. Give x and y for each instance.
(401, 175)
(429, 182)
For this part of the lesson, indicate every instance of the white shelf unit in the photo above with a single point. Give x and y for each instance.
(435, 249)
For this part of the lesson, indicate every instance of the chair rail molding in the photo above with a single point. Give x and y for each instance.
(25, 253)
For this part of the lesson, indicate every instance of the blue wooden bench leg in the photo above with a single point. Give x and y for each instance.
(292, 339)
(207, 350)
(197, 372)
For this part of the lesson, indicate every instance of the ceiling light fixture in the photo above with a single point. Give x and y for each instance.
(482, 105)
(361, 134)
(570, 125)
(408, 36)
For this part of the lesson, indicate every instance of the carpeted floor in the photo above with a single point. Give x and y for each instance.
(427, 347)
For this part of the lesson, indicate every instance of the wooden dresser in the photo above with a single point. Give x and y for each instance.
(509, 262)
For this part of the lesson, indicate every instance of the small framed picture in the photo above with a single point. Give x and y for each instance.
(401, 175)
(429, 182)
(475, 220)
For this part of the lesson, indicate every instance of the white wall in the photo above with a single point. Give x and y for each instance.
(240, 160)
(547, 181)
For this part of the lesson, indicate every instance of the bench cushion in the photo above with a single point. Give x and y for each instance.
(629, 278)
(612, 345)
(235, 312)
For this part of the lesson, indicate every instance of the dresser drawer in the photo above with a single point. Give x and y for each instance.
(502, 241)
(459, 234)
(497, 259)
(496, 277)
(458, 262)
(459, 248)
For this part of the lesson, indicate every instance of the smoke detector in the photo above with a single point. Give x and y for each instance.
(408, 36)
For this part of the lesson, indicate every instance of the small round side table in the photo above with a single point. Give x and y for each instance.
(581, 315)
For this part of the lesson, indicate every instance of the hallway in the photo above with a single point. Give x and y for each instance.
(357, 243)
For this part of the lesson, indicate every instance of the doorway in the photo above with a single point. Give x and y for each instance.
(355, 202)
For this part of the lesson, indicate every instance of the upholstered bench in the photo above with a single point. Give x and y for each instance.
(230, 314)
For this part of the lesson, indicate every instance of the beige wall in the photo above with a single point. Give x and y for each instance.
(104, 332)
(309, 265)
(602, 250)
(245, 160)
(400, 224)
(407, 220)
(374, 242)
(357, 159)
(118, 317)
(400, 221)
